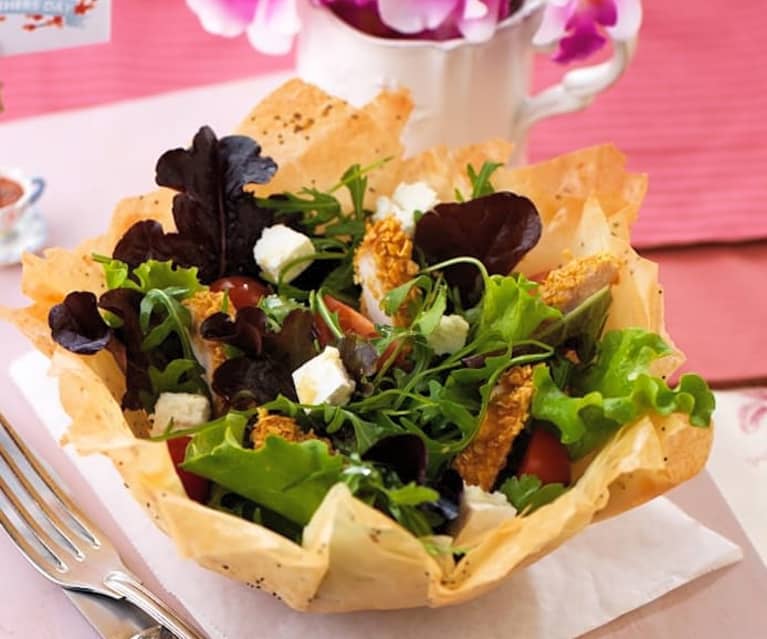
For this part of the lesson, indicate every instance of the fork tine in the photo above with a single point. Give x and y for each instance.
(73, 512)
(41, 536)
(59, 526)
(45, 563)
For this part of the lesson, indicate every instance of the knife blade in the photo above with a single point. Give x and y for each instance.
(114, 619)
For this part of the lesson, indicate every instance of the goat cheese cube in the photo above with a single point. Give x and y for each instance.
(405, 201)
(277, 247)
(449, 336)
(185, 410)
(323, 380)
(481, 512)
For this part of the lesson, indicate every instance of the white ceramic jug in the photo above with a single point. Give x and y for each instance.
(463, 92)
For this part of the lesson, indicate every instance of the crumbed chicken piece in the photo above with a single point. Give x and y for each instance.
(571, 284)
(481, 461)
(281, 426)
(209, 354)
(383, 262)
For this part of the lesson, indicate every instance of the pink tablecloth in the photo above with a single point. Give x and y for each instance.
(689, 112)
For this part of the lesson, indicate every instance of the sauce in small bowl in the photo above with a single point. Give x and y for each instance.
(10, 192)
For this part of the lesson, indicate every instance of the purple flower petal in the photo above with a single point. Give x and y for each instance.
(407, 16)
(579, 44)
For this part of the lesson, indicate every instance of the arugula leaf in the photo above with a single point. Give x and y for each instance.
(396, 297)
(239, 506)
(356, 182)
(317, 208)
(335, 233)
(527, 493)
(510, 309)
(385, 491)
(179, 376)
(177, 319)
(288, 478)
(480, 182)
(617, 389)
(583, 324)
(428, 319)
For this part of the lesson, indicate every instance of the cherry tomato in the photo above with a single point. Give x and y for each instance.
(196, 487)
(355, 323)
(350, 320)
(546, 458)
(243, 291)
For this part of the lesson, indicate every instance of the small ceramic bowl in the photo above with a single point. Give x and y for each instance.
(22, 228)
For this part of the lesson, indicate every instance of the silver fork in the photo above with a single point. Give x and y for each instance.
(60, 541)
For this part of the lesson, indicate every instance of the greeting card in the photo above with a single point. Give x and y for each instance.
(42, 25)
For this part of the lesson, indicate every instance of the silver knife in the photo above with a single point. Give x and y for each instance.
(116, 619)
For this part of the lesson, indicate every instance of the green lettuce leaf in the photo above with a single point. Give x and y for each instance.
(527, 493)
(149, 275)
(511, 311)
(285, 482)
(290, 479)
(583, 325)
(617, 389)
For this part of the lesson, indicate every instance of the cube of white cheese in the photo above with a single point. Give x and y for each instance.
(278, 246)
(185, 410)
(405, 201)
(323, 380)
(449, 336)
(481, 512)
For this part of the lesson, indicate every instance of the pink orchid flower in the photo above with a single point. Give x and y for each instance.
(577, 25)
(270, 24)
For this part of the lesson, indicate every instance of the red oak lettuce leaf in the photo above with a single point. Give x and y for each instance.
(359, 356)
(217, 222)
(449, 485)
(294, 343)
(124, 303)
(264, 369)
(76, 324)
(404, 454)
(245, 332)
(245, 382)
(497, 229)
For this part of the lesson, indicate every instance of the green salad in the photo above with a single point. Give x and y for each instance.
(281, 345)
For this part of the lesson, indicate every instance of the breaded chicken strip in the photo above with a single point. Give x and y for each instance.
(209, 354)
(566, 287)
(383, 262)
(481, 461)
(281, 426)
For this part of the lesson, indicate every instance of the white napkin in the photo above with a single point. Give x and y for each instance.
(738, 463)
(610, 569)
